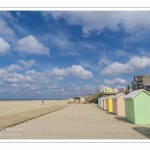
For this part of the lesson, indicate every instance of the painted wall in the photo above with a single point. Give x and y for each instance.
(129, 110)
(110, 104)
(105, 89)
(102, 100)
(115, 90)
(110, 90)
(142, 108)
(115, 106)
(99, 100)
(82, 99)
(104, 104)
(120, 106)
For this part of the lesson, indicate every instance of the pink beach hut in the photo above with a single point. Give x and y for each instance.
(115, 90)
(118, 104)
(105, 103)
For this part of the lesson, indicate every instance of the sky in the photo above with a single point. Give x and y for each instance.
(63, 54)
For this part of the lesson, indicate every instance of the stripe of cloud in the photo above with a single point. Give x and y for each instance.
(97, 21)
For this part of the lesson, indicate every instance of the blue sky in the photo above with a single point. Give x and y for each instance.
(62, 54)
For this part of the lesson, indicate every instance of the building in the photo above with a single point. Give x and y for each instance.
(80, 99)
(140, 82)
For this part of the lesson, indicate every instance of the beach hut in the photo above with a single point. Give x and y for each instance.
(137, 107)
(105, 89)
(105, 103)
(110, 104)
(82, 99)
(118, 104)
(110, 90)
(101, 102)
(115, 90)
(99, 99)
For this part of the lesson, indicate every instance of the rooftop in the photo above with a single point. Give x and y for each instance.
(134, 93)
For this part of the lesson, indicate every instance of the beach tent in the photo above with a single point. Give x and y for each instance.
(118, 104)
(110, 104)
(137, 107)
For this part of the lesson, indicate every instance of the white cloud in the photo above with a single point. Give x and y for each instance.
(19, 15)
(27, 64)
(75, 70)
(30, 45)
(116, 69)
(104, 61)
(88, 64)
(120, 87)
(120, 53)
(14, 67)
(4, 46)
(4, 28)
(97, 21)
(61, 41)
(116, 81)
(139, 62)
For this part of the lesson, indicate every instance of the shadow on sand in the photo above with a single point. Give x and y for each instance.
(122, 119)
(143, 130)
(110, 113)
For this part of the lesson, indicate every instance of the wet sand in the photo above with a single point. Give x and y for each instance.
(77, 121)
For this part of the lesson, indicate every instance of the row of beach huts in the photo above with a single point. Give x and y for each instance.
(135, 106)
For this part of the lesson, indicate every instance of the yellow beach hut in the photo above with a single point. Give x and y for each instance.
(110, 90)
(110, 104)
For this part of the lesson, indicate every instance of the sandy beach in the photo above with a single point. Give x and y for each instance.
(70, 121)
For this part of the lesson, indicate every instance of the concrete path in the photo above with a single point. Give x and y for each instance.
(78, 121)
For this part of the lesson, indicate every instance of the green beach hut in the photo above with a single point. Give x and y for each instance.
(137, 107)
(101, 102)
(99, 99)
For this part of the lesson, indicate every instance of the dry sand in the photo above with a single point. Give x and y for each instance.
(77, 121)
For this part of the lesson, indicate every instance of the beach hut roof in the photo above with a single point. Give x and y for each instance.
(111, 96)
(105, 87)
(134, 93)
(106, 97)
(118, 95)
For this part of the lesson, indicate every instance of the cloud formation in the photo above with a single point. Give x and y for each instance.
(4, 47)
(104, 61)
(120, 53)
(139, 62)
(77, 71)
(98, 21)
(117, 68)
(117, 81)
(30, 45)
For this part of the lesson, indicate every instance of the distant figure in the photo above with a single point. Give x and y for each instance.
(42, 102)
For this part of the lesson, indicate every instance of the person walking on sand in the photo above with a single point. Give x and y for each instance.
(42, 102)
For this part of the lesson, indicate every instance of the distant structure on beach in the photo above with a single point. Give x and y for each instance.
(80, 99)
(141, 82)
